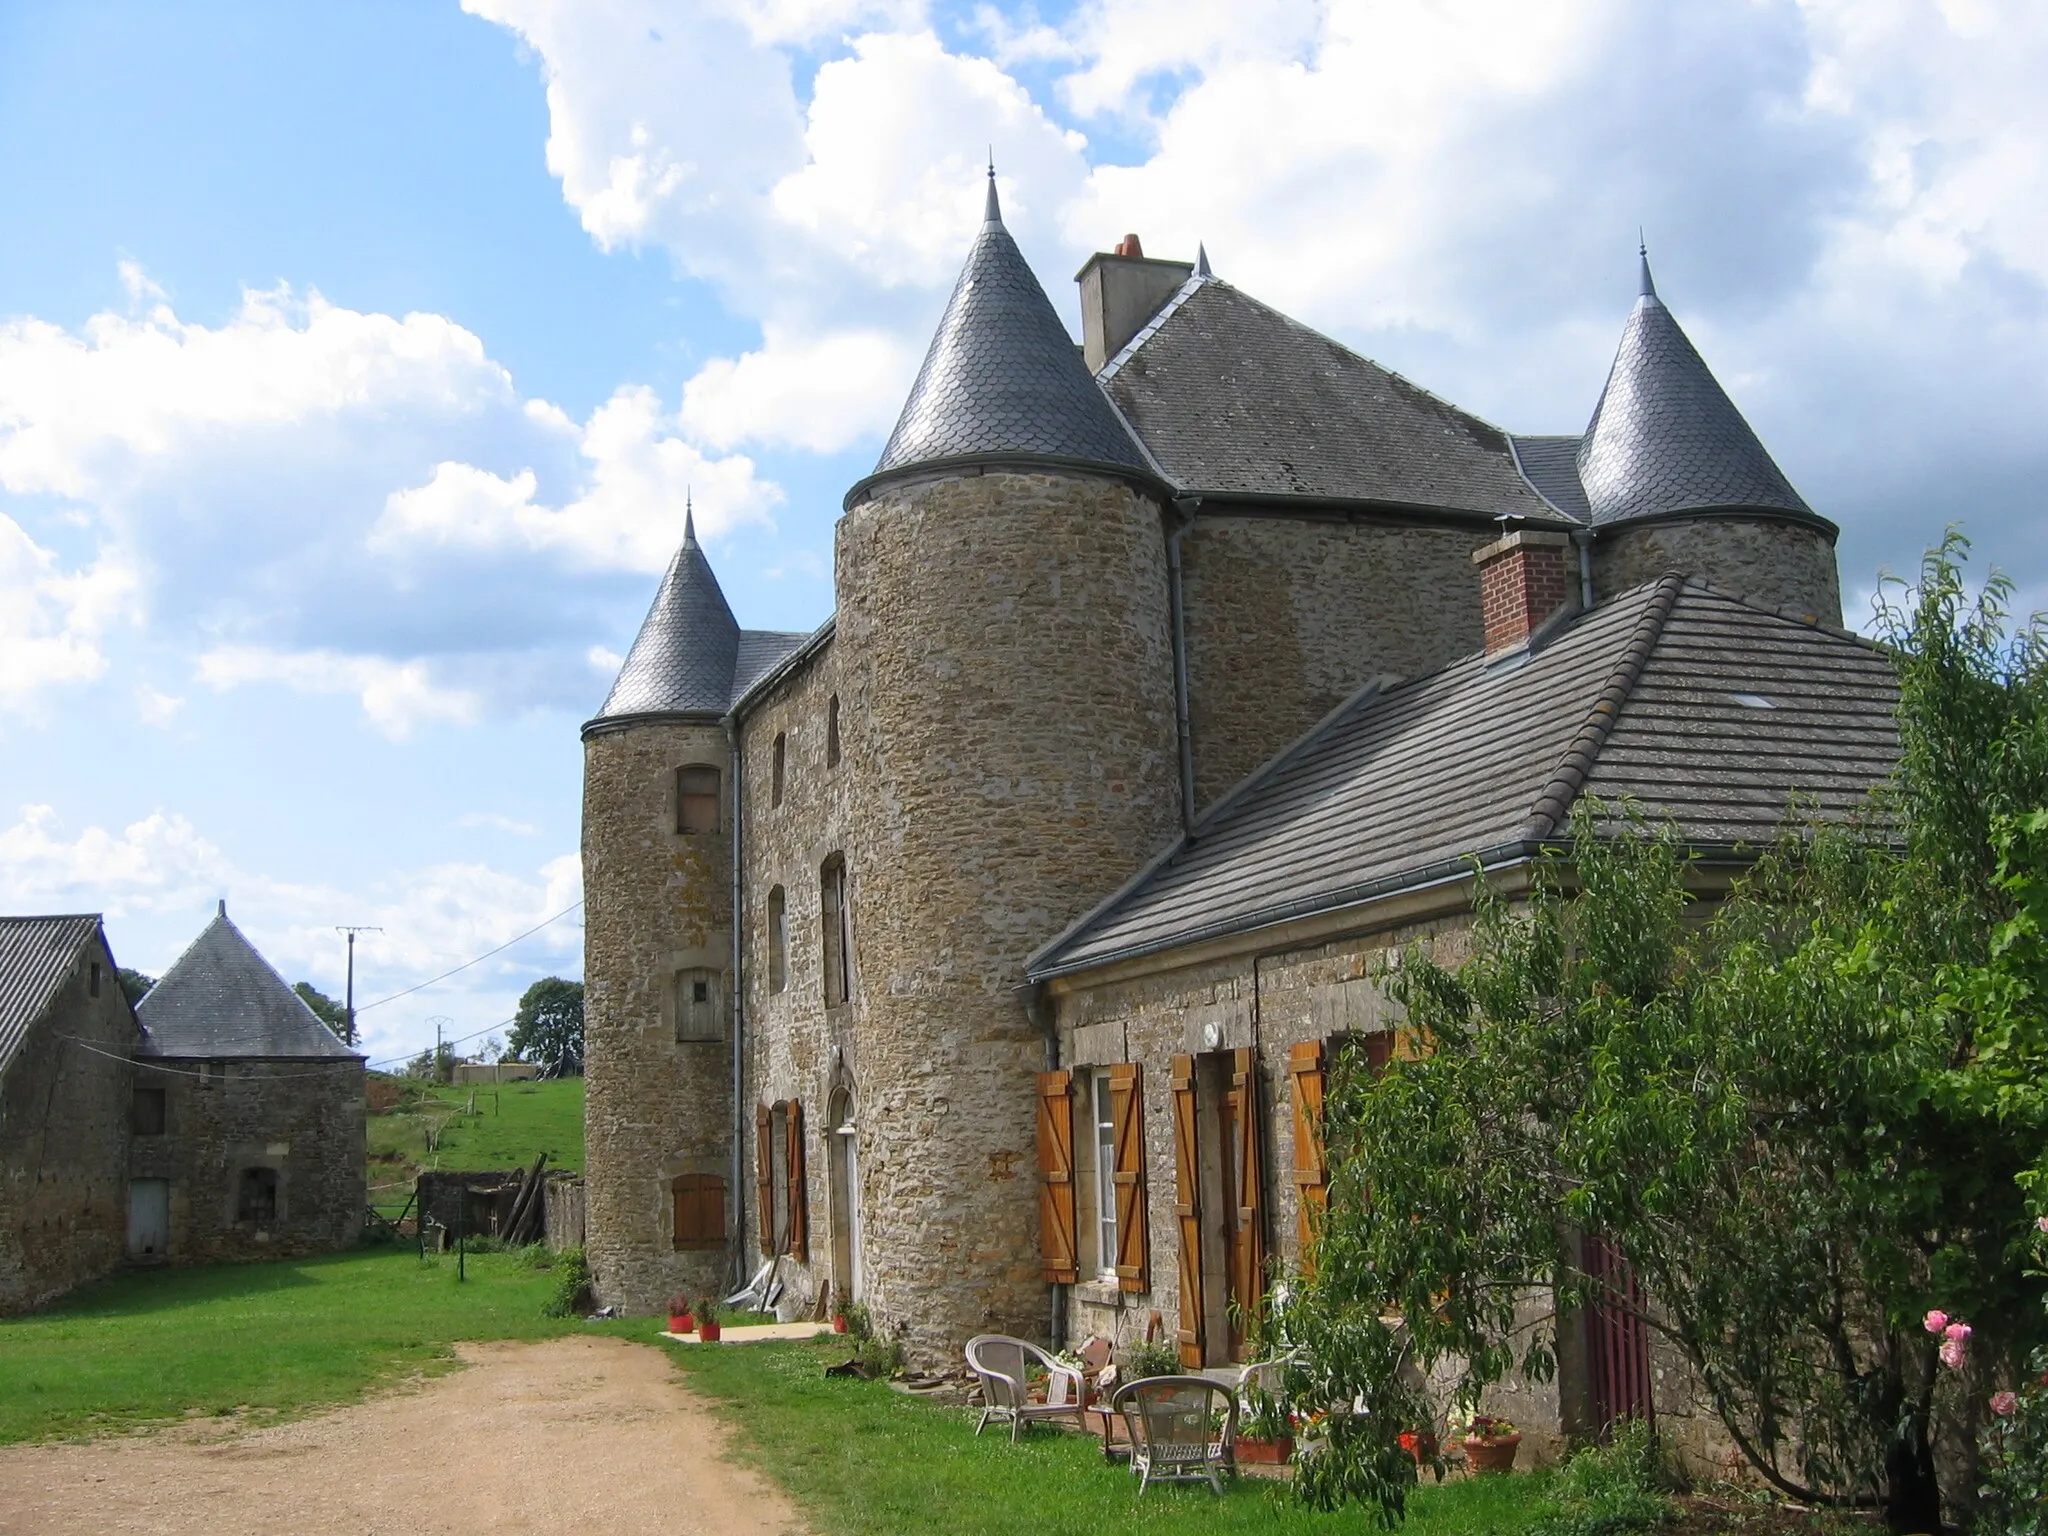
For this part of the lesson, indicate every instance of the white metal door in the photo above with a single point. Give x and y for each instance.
(149, 1217)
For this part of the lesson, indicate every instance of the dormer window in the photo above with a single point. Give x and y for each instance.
(696, 799)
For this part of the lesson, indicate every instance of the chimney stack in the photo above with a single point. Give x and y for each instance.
(1120, 291)
(1523, 580)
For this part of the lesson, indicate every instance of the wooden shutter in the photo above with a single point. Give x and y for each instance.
(699, 1211)
(1056, 1237)
(799, 1225)
(1311, 1166)
(1187, 1207)
(1127, 1115)
(764, 1176)
(1248, 1238)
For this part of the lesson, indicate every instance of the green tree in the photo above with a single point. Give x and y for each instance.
(548, 1029)
(1806, 1121)
(134, 984)
(330, 1013)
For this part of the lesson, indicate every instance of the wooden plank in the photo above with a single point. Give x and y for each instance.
(799, 1223)
(764, 1176)
(1187, 1207)
(1057, 1243)
(1133, 1237)
(1305, 1073)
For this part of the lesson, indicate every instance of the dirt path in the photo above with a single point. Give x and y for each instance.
(611, 1441)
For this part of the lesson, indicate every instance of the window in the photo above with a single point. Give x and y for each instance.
(778, 1177)
(696, 799)
(1104, 1148)
(836, 921)
(699, 1209)
(780, 762)
(92, 985)
(256, 1197)
(832, 731)
(698, 1015)
(779, 1185)
(146, 1112)
(778, 940)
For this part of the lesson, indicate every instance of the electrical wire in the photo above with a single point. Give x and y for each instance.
(430, 981)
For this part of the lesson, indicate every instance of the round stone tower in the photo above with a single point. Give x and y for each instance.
(657, 967)
(1003, 603)
(1675, 479)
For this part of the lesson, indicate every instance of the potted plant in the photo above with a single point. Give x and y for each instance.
(707, 1319)
(679, 1318)
(1265, 1432)
(1421, 1444)
(1491, 1443)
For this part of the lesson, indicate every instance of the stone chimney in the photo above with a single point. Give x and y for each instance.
(1120, 291)
(1523, 580)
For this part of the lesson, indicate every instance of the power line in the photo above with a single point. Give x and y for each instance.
(430, 981)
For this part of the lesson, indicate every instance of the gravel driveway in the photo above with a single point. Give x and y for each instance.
(569, 1435)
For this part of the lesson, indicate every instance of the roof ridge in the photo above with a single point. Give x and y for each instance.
(1555, 800)
(1515, 454)
(1790, 615)
(1146, 331)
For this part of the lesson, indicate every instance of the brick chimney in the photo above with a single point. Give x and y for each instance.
(1120, 291)
(1523, 580)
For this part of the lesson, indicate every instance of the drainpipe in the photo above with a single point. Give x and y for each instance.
(1583, 537)
(1185, 508)
(737, 1184)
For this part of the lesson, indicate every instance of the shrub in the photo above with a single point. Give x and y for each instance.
(1146, 1358)
(572, 1295)
(1606, 1489)
(2012, 1499)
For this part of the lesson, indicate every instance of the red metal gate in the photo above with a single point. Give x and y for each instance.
(1618, 1352)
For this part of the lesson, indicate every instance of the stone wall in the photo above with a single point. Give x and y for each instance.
(1776, 564)
(1005, 640)
(658, 903)
(63, 1141)
(1288, 615)
(302, 1120)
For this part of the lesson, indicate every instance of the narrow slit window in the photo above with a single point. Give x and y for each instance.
(832, 731)
(835, 921)
(779, 770)
(778, 940)
(696, 799)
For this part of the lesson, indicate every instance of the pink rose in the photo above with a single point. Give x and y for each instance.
(1960, 1332)
(1936, 1321)
(2003, 1403)
(2041, 1222)
(1951, 1353)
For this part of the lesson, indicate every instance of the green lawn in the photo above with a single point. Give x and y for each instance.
(480, 1127)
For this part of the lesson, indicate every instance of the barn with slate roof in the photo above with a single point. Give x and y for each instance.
(977, 955)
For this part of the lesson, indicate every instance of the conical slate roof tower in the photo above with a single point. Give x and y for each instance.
(1666, 439)
(683, 660)
(1003, 380)
(223, 999)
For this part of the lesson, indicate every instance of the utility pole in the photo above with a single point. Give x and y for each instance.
(349, 1007)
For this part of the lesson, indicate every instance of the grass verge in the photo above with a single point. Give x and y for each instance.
(484, 1127)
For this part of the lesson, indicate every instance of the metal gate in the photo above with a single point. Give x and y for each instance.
(1618, 1352)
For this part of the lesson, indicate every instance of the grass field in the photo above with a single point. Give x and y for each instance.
(481, 1127)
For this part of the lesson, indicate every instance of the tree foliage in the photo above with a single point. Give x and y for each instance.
(329, 1012)
(134, 984)
(1806, 1114)
(548, 1029)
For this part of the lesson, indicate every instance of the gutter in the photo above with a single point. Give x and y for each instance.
(1185, 508)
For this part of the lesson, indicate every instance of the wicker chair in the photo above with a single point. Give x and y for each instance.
(1004, 1365)
(1176, 1436)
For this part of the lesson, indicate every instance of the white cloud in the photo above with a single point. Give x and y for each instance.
(819, 392)
(396, 696)
(157, 708)
(498, 823)
(51, 621)
(160, 862)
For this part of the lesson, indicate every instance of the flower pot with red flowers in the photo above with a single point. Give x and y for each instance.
(707, 1319)
(1421, 1444)
(1491, 1444)
(1261, 1452)
(1265, 1433)
(679, 1318)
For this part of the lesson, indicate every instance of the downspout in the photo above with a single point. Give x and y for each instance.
(1184, 507)
(1583, 537)
(739, 1023)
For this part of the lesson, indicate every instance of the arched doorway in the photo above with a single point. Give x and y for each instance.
(845, 1160)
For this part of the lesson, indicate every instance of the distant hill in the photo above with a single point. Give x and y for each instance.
(413, 1126)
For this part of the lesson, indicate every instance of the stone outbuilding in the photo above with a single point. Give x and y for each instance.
(246, 1118)
(976, 955)
(66, 1036)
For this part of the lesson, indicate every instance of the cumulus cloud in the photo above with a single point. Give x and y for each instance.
(396, 696)
(51, 621)
(156, 864)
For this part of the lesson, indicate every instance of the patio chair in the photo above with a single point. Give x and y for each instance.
(1004, 1365)
(1183, 1429)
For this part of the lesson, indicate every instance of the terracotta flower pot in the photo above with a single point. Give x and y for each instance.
(707, 1331)
(1266, 1453)
(680, 1322)
(839, 1322)
(1421, 1444)
(1494, 1455)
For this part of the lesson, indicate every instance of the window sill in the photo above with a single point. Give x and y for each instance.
(1099, 1293)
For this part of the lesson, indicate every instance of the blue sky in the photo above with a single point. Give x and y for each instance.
(354, 363)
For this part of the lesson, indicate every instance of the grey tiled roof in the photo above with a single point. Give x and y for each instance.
(1638, 698)
(1003, 377)
(1231, 396)
(1552, 465)
(36, 955)
(761, 650)
(1666, 438)
(682, 660)
(222, 999)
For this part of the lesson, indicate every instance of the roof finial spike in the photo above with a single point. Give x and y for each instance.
(993, 212)
(689, 517)
(1645, 286)
(1202, 260)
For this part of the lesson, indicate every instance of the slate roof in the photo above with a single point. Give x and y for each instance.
(1003, 379)
(222, 999)
(1232, 397)
(1642, 697)
(1665, 438)
(691, 657)
(36, 955)
(1552, 465)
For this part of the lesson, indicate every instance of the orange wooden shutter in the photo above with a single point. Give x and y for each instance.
(1187, 1207)
(799, 1226)
(699, 1211)
(1311, 1168)
(764, 1176)
(1056, 1235)
(1127, 1114)
(1248, 1240)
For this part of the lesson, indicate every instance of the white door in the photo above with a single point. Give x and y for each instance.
(852, 1163)
(149, 1217)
